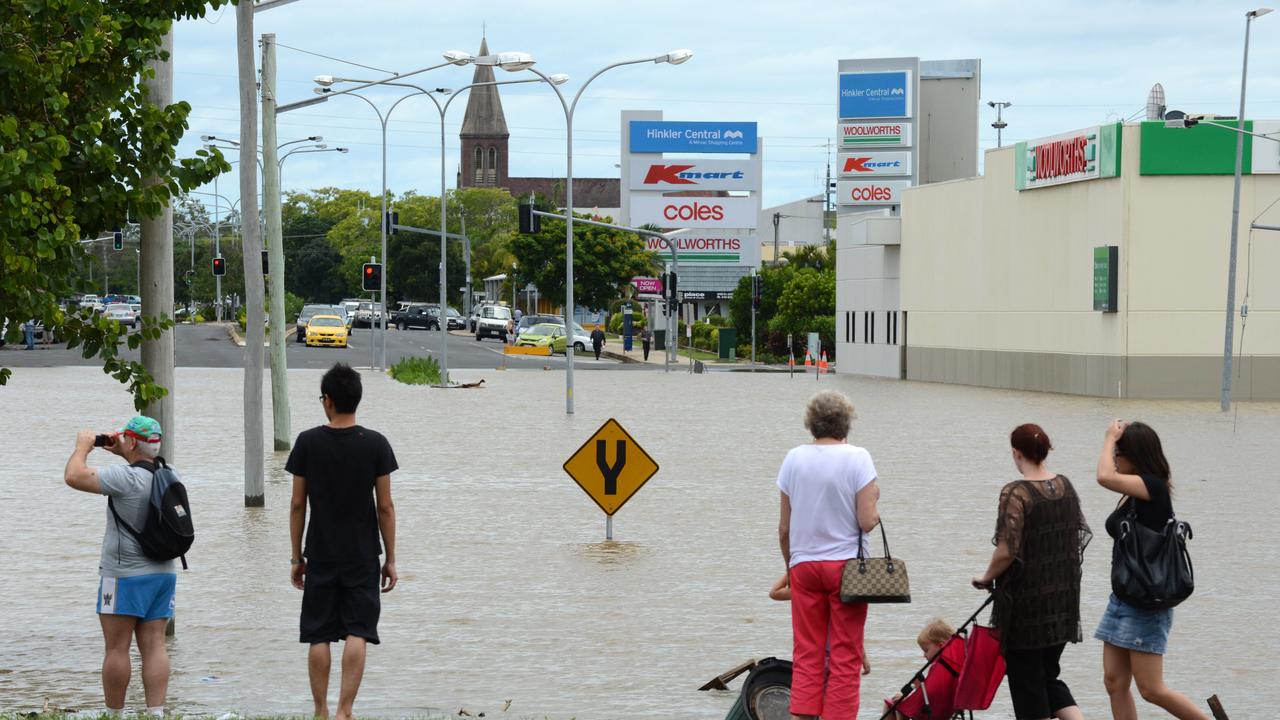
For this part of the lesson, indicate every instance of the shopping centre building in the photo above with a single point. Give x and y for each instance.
(1092, 262)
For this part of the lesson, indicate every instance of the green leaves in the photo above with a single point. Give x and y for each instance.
(76, 141)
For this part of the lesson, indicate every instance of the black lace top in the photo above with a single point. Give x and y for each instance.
(1037, 600)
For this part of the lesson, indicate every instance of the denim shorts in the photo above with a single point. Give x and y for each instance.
(1131, 628)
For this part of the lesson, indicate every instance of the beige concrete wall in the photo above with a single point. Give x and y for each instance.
(997, 284)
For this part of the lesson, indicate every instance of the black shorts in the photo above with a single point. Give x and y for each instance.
(1034, 686)
(341, 599)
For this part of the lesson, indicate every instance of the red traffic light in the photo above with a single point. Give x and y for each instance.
(219, 266)
(372, 278)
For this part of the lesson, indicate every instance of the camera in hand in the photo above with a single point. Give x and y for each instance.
(103, 440)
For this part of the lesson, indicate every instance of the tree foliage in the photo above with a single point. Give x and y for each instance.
(604, 261)
(77, 140)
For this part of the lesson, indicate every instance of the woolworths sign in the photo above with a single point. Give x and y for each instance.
(855, 135)
(1086, 154)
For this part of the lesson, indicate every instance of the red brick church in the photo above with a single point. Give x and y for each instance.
(486, 161)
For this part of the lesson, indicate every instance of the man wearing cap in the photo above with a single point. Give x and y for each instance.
(135, 593)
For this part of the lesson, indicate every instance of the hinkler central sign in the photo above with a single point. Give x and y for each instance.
(1086, 154)
(610, 467)
(875, 94)
(693, 174)
(663, 136)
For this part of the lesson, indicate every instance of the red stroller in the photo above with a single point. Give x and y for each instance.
(962, 677)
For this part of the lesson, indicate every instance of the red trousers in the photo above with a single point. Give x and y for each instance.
(822, 625)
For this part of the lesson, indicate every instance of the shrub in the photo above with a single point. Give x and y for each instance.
(416, 371)
(197, 318)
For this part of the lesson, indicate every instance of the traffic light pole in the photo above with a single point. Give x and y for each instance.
(755, 300)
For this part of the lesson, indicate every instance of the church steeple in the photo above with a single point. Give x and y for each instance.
(484, 132)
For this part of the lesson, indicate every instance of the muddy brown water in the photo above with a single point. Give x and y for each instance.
(507, 591)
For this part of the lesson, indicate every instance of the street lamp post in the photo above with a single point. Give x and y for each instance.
(452, 57)
(674, 57)
(514, 61)
(1235, 219)
(999, 124)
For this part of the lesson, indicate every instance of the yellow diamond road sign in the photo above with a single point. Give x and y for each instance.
(610, 466)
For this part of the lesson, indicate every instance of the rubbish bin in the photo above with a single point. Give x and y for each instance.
(728, 343)
(660, 339)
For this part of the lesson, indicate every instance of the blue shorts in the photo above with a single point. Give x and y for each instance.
(1131, 628)
(146, 597)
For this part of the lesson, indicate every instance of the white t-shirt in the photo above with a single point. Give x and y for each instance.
(822, 481)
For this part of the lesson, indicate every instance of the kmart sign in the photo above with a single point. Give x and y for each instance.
(1087, 154)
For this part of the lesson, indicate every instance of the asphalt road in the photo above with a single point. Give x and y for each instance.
(210, 345)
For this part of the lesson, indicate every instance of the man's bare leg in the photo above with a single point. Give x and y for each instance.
(155, 661)
(117, 632)
(318, 662)
(352, 674)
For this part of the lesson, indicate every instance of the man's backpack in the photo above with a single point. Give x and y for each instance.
(167, 531)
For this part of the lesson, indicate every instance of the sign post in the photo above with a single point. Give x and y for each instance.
(610, 467)
(626, 325)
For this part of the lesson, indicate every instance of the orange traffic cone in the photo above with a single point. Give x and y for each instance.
(822, 363)
(808, 359)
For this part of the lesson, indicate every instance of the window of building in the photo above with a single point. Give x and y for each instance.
(492, 176)
(477, 172)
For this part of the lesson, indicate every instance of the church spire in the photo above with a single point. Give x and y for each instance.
(484, 117)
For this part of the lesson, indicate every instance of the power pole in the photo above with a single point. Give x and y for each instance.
(251, 245)
(275, 246)
(466, 259)
(157, 270)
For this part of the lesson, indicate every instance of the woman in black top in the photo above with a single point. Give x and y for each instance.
(1132, 463)
(1035, 571)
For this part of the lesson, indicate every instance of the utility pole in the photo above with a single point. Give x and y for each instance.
(466, 259)
(754, 302)
(777, 220)
(217, 248)
(251, 246)
(157, 270)
(275, 247)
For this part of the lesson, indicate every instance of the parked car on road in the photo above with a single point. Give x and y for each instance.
(330, 330)
(456, 321)
(308, 312)
(121, 313)
(369, 314)
(543, 335)
(493, 320)
(532, 319)
(91, 302)
(418, 316)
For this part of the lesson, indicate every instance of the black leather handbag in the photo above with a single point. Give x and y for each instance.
(1149, 569)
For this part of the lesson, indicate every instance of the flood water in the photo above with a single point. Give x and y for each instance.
(507, 591)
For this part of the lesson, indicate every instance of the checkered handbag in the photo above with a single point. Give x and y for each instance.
(875, 579)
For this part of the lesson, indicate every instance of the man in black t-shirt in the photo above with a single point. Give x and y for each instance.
(339, 469)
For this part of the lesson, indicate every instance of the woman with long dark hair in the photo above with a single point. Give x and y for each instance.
(1133, 464)
(1035, 572)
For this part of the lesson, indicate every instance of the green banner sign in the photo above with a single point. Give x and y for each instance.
(1197, 150)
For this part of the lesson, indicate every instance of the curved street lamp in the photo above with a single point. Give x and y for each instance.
(675, 57)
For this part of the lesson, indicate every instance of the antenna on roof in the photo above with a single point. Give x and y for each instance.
(1155, 103)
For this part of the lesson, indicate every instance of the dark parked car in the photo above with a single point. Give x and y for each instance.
(418, 316)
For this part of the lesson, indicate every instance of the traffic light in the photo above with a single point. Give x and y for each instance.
(757, 288)
(219, 266)
(265, 268)
(372, 276)
(392, 219)
(117, 239)
(529, 223)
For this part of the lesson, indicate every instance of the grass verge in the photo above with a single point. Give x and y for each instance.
(417, 371)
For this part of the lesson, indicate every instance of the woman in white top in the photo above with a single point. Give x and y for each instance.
(829, 495)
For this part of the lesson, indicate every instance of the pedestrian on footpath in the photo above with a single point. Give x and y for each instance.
(342, 474)
(1133, 464)
(828, 504)
(135, 593)
(597, 341)
(646, 339)
(29, 334)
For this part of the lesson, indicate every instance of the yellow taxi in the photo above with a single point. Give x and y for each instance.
(328, 330)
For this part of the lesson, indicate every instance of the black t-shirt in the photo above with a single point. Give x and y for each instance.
(341, 466)
(1153, 513)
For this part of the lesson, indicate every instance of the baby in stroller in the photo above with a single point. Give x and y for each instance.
(932, 699)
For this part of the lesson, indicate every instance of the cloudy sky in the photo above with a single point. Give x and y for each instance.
(1063, 65)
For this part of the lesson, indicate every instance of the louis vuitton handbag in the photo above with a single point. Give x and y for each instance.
(875, 579)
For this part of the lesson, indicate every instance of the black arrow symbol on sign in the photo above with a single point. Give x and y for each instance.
(611, 473)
